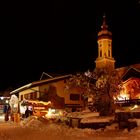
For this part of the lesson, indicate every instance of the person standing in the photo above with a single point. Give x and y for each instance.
(7, 113)
(30, 108)
(27, 113)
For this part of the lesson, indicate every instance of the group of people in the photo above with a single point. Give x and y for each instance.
(8, 113)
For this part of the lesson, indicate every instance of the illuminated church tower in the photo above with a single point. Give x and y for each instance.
(105, 59)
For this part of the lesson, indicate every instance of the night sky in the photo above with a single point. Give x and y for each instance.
(62, 38)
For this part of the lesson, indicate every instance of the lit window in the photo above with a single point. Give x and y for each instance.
(100, 53)
(109, 53)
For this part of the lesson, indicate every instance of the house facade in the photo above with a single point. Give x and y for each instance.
(131, 81)
(53, 90)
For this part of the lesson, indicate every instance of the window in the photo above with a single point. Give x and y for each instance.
(109, 53)
(75, 97)
(100, 53)
(26, 96)
(34, 95)
(31, 96)
(21, 97)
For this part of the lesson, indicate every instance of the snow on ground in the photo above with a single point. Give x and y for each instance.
(90, 117)
(96, 119)
(33, 128)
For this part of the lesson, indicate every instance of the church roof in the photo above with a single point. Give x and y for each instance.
(104, 33)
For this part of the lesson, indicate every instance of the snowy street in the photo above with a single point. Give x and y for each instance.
(34, 129)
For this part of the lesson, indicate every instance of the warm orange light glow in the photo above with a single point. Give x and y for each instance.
(123, 97)
(135, 106)
(50, 113)
(130, 89)
(40, 102)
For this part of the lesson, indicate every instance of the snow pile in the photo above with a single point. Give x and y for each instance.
(83, 114)
(113, 126)
(74, 115)
(54, 129)
(58, 130)
(137, 120)
(95, 119)
(31, 122)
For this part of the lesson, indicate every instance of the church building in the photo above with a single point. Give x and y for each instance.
(130, 75)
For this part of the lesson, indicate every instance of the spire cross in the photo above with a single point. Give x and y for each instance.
(104, 25)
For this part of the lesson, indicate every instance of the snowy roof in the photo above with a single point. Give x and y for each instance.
(123, 70)
(21, 88)
(131, 72)
(40, 82)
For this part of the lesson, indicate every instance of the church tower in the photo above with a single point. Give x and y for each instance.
(104, 59)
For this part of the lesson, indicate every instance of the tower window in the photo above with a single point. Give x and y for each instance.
(100, 53)
(109, 53)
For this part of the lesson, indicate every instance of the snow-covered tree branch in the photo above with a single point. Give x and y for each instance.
(100, 85)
